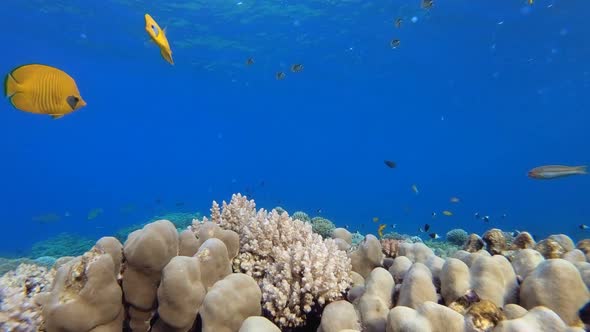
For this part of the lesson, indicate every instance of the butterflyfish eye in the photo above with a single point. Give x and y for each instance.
(73, 101)
(155, 30)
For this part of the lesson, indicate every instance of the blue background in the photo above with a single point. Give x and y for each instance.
(511, 82)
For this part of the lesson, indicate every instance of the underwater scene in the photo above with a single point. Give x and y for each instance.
(280, 165)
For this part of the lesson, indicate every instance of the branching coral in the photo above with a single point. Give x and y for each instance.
(295, 268)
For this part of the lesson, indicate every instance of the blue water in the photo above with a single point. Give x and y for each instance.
(478, 93)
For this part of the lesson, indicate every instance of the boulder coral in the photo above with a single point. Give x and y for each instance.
(248, 270)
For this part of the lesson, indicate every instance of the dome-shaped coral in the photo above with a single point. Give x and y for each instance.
(457, 236)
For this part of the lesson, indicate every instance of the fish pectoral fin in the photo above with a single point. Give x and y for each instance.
(56, 116)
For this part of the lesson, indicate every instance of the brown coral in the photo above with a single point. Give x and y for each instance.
(473, 244)
(524, 240)
(550, 248)
(495, 241)
(390, 247)
(483, 316)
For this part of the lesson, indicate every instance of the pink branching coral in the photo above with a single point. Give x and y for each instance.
(295, 268)
(390, 247)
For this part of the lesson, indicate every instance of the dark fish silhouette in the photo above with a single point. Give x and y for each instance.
(390, 164)
(425, 228)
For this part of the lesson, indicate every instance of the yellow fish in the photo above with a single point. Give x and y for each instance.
(42, 89)
(375, 219)
(380, 230)
(454, 200)
(159, 37)
(447, 213)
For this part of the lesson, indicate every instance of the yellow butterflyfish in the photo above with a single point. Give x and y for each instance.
(380, 230)
(159, 37)
(42, 89)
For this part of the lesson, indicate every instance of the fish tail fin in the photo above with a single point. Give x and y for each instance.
(10, 85)
(582, 169)
(167, 56)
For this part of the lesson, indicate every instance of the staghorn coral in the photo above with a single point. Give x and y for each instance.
(457, 236)
(296, 269)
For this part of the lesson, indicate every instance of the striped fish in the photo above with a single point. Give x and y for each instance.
(42, 89)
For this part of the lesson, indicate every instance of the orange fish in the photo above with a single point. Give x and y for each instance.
(556, 171)
(42, 89)
(159, 37)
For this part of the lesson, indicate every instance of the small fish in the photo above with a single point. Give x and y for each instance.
(296, 67)
(415, 189)
(42, 89)
(318, 211)
(486, 219)
(433, 236)
(94, 213)
(375, 219)
(555, 171)
(427, 4)
(280, 75)
(159, 37)
(504, 215)
(179, 204)
(249, 61)
(362, 225)
(477, 215)
(583, 226)
(380, 230)
(447, 213)
(433, 214)
(425, 228)
(398, 22)
(394, 43)
(530, 2)
(157, 201)
(393, 226)
(346, 226)
(454, 200)
(390, 164)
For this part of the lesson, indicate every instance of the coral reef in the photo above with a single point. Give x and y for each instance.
(322, 226)
(296, 269)
(63, 244)
(19, 310)
(457, 237)
(300, 215)
(226, 272)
